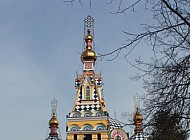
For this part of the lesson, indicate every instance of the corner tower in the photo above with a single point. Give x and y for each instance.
(88, 119)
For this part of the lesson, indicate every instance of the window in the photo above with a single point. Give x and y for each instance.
(99, 136)
(87, 136)
(75, 136)
(87, 93)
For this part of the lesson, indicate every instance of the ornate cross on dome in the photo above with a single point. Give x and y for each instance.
(137, 99)
(54, 105)
(89, 32)
(89, 21)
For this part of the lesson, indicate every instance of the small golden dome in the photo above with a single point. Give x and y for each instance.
(89, 36)
(137, 116)
(53, 120)
(88, 54)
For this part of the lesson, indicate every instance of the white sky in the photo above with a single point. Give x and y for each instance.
(39, 41)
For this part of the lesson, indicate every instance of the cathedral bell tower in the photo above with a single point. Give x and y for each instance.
(88, 119)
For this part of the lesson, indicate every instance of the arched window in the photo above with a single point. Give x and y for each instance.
(87, 93)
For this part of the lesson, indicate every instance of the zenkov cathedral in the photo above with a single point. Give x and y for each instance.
(89, 118)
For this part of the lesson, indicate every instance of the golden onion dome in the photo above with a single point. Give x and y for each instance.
(137, 116)
(88, 54)
(88, 37)
(53, 120)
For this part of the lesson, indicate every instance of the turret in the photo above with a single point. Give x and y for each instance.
(53, 123)
(138, 122)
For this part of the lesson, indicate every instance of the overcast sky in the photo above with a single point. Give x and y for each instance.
(39, 45)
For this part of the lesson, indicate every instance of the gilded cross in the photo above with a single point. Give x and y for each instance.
(54, 105)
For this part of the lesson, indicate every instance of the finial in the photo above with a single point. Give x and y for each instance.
(89, 31)
(54, 106)
(77, 74)
(88, 53)
(53, 120)
(88, 40)
(137, 99)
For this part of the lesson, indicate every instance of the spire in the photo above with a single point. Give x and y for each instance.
(88, 54)
(88, 57)
(53, 122)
